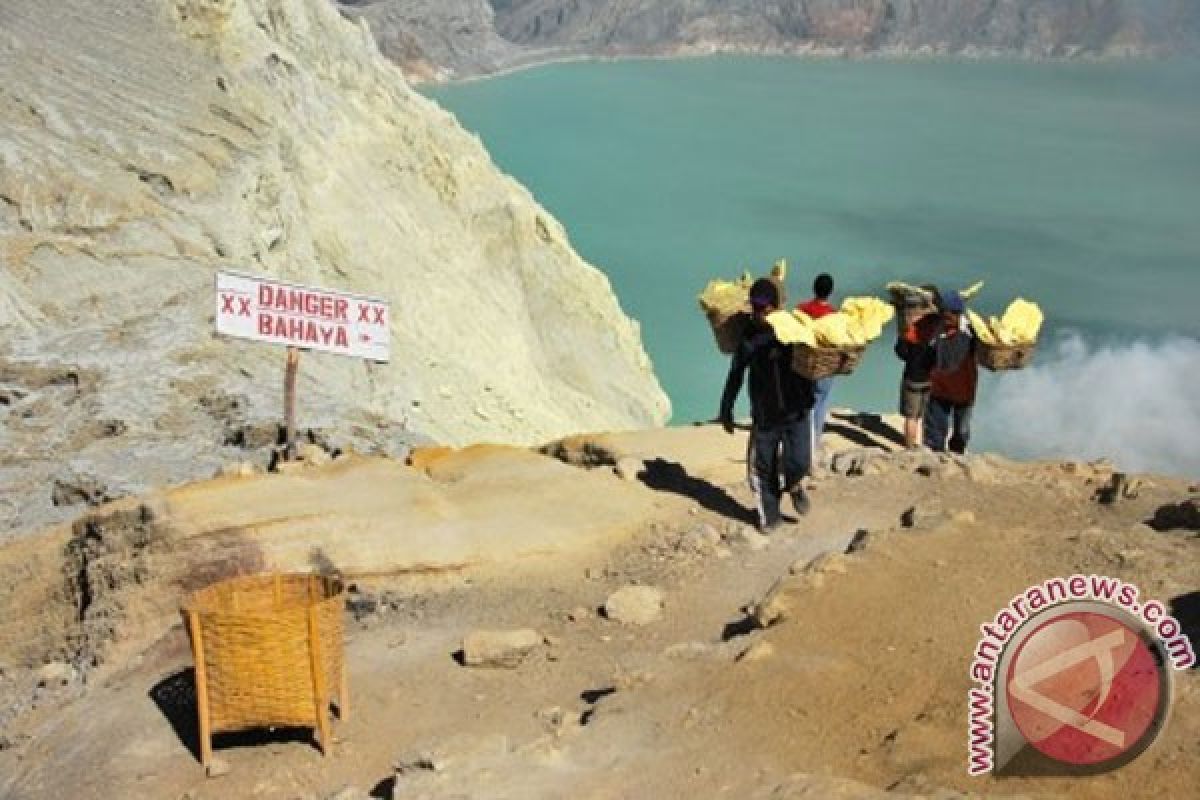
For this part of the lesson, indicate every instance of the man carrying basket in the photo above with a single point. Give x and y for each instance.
(954, 379)
(780, 404)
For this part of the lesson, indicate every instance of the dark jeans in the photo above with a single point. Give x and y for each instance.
(938, 416)
(794, 439)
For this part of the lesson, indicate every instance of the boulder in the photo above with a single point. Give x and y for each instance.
(923, 517)
(628, 468)
(502, 649)
(634, 605)
(56, 674)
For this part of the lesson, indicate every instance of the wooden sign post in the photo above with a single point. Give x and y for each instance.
(289, 402)
(301, 318)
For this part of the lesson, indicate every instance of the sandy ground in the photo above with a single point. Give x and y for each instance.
(859, 691)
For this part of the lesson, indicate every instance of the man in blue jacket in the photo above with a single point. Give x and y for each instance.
(780, 403)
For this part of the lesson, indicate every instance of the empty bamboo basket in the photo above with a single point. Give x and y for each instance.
(268, 651)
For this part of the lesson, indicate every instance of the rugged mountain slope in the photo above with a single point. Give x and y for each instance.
(146, 144)
(552, 28)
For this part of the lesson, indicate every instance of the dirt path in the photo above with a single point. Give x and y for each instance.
(866, 680)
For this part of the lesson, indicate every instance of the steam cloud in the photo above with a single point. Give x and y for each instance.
(1138, 404)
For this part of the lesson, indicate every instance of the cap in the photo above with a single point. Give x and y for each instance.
(953, 302)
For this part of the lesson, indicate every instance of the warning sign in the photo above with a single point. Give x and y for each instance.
(267, 310)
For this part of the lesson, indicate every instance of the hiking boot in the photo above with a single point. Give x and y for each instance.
(800, 500)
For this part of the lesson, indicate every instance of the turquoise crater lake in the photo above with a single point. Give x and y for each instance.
(1075, 185)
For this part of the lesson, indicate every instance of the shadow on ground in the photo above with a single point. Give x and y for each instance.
(175, 697)
(669, 476)
(1186, 609)
(859, 428)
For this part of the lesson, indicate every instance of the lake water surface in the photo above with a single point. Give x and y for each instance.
(1075, 185)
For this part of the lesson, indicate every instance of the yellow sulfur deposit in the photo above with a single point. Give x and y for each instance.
(1024, 320)
(726, 298)
(983, 331)
(1020, 325)
(860, 320)
(871, 314)
(793, 327)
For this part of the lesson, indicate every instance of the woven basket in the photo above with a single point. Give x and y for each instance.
(815, 363)
(728, 329)
(1003, 357)
(268, 653)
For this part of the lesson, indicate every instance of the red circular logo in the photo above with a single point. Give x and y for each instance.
(1084, 688)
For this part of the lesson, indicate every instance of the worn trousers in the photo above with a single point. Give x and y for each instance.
(780, 451)
(939, 414)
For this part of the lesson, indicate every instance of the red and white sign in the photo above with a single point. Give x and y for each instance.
(267, 310)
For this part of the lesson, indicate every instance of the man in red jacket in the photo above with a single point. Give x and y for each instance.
(954, 379)
(816, 308)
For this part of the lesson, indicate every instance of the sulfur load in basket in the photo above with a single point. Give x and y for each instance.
(268, 651)
(834, 343)
(726, 305)
(1010, 341)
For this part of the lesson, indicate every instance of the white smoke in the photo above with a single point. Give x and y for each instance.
(1138, 404)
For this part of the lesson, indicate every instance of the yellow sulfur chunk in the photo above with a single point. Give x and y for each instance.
(870, 314)
(724, 298)
(983, 331)
(792, 328)
(1023, 320)
(838, 330)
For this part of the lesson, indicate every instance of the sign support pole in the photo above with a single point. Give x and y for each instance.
(289, 402)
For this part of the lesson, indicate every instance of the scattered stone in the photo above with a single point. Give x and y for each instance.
(238, 469)
(55, 674)
(851, 463)
(775, 605)
(964, 517)
(628, 468)
(422, 762)
(722, 552)
(218, 768)
(1109, 494)
(859, 543)
(73, 490)
(578, 614)
(500, 649)
(634, 605)
(289, 467)
(759, 651)
(923, 517)
(313, 454)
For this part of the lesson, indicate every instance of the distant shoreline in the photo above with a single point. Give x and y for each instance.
(800, 53)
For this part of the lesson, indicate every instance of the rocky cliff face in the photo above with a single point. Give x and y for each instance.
(148, 143)
(557, 28)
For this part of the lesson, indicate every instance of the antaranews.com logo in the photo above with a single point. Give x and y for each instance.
(1072, 677)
